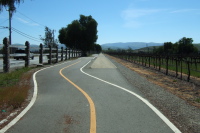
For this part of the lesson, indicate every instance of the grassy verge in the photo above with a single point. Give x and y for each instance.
(14, 88)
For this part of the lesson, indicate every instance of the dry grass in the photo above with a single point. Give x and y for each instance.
(14, 92)
(14, 89)
(188, 91)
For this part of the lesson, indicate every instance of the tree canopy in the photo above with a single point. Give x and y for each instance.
(80, 34)
(183, 46)
(10, 4)
(49, 38)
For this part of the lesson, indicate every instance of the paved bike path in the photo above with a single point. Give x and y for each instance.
(60, 107)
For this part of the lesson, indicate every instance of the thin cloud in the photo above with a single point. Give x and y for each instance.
(131, 16)
(22, 20)
(135, 13)
(186, 10)
(26, 22)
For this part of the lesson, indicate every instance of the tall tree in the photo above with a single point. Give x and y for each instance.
(185, 46)
(168, 47)
(10, 4)
(89, 31)
(48, 39)
(97, 48)
(80, 34)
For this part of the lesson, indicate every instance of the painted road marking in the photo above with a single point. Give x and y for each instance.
(171, 125)
(92, 106)
(17, 118)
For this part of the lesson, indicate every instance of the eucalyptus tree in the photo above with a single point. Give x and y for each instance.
(48, 39)
(10, 4)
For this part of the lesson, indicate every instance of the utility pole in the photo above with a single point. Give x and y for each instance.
(10, 16)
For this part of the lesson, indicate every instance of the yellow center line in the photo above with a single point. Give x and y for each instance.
(92, 106)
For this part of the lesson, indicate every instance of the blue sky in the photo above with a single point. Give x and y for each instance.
(118, 20)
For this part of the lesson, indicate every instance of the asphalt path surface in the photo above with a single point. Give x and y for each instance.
(74, 100)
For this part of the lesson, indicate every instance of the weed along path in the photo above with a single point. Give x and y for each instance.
(89, 95)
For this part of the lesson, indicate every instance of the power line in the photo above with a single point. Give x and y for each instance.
(23, 33)
(31, 19)
(26, 35)
(3, 27)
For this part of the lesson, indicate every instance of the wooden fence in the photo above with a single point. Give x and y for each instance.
(51, 53)
(175, 65)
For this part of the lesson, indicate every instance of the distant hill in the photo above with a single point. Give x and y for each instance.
(33, 47)
(132, 45)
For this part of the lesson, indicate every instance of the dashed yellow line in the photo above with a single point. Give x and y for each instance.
(92, 106)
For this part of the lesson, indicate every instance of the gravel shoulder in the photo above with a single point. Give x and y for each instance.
(173, 97)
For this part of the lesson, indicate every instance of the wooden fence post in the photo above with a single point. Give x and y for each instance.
(66, 54)
(56, 54)
(41, 54)
(167, 64)
(188, 65)
(72, 53)
(176, 66)
(159, 63)
(6, 56)
(149, 61)
(181, 61)
(61, 53)
(27, 51)
(50, 54)
(69, 53)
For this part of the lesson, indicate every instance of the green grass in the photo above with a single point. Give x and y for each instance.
(197, 100)
(14, 87)
(194, 71)
(9, 79)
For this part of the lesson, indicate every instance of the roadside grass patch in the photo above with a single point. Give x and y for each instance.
(14, 87)
(198, 100)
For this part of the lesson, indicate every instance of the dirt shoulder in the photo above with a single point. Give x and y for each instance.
(175, 98)
(188, 91)
(10, 112)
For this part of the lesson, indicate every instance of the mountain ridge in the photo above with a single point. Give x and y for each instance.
(127, 45)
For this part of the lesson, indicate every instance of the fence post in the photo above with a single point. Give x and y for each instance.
(50, 54)
(188, 65)
(41, 54)
(69, 54)
(6, 56)
(176, 67)
(72, 53)
(149, 61)
(61, 53)
(167, 65)
(159, 63)
(27, 51)
(181, 67)
(56, 54)
(66, 54)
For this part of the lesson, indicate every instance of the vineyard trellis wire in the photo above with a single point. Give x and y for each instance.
(176, 65)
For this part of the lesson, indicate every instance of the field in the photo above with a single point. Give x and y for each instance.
(175, 65)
